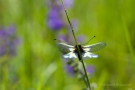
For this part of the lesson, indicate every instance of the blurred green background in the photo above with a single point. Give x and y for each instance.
(37, 64)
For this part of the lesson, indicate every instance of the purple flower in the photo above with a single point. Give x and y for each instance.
(74, 24)
(54, 21)
(68, 3)
(2, 33)
(80, 38)
(1, 50)
(10, 30)
(69, 69)
(90, 69)
(62, 37)
(7, 41)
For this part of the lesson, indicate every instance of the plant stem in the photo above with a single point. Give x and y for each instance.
(77, 46)
(86, 74)
(127, 35)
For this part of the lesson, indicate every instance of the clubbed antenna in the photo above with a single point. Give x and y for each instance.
(89, 40)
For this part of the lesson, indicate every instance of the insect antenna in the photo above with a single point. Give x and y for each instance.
(55, 39)
(59, 40)
(89, 40)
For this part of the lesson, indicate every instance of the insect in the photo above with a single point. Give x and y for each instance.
(70, 52)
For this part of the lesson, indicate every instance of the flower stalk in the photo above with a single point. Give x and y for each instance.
(81, 60)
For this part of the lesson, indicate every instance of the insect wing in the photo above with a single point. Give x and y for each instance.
(94, 47)
(89, 55)
(70, 55)
(63, 47)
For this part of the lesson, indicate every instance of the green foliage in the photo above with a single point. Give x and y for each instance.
(38, 65)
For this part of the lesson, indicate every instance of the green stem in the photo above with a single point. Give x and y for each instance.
(77, 46)
(127, 35)
(86, 74)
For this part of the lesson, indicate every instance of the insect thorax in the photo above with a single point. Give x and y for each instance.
(77, 51)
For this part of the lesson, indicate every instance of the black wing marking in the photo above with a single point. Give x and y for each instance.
(64, 48)
(94, 47)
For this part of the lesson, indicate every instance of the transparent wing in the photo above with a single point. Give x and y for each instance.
(64, 48)
(70, 55)
(94, 47)
(89, 55)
